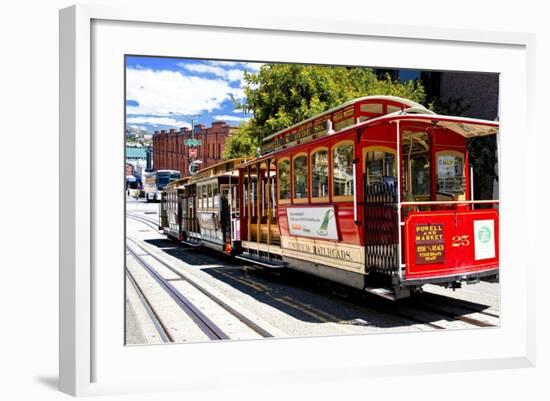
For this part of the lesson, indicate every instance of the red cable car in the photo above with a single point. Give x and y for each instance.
(375, 194)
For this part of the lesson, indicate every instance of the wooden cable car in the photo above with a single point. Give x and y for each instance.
(204, 209)
(375, 194)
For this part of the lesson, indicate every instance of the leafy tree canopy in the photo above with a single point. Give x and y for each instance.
(280, 95)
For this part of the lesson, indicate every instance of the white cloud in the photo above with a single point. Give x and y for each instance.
(139, 127)
(252, 67)
(228, 75)
(230, 118)
(165, 92)
(156, 121)
(225, 63)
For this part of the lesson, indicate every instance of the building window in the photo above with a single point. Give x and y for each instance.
(342, 170)
(319, 174)
(283, 173)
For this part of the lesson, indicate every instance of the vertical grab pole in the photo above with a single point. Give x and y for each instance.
(248, 207)
(230, 200)
(472, 186)
(399, 184)
(354, 191)
(259, 199)
(268, 198)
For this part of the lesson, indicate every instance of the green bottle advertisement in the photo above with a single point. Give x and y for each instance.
(329, 214)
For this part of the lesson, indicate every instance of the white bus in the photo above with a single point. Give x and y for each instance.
(155, 181)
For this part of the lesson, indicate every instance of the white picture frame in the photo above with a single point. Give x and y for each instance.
(92, 363)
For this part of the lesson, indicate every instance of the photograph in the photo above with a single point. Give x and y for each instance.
(283, 200)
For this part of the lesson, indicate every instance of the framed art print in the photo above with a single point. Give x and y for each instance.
(344, 193)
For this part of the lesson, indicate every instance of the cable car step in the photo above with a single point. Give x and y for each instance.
(382, 292)
(270, 263)
(194, 244)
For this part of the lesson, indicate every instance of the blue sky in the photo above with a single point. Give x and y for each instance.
(164, 93)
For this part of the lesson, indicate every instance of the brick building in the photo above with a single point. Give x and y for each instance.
(478, 90)
(171, 153)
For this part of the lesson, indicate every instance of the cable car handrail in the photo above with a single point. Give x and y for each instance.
(468, 202)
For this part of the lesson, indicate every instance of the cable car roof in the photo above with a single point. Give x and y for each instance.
(405, 102)
(177, 183)
(225, 167)
(465, 126)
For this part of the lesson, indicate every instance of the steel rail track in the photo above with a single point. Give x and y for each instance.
(387, 310)
(212, 331)
(151, 223)
(246, 321)
(457, 316)
(153, 315)
(406, 316)
(461, 303)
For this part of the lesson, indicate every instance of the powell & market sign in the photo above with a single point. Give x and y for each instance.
(429, 243)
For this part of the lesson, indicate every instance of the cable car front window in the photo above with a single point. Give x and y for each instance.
(416, 154)
(420, 173)
(450, 174)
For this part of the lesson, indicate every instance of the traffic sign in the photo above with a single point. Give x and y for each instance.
(194, 166)
(192, 142)
(193, 152)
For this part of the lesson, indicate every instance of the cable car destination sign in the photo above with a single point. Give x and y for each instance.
(429, 243)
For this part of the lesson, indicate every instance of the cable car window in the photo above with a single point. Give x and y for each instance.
(283, 172)
(342, 170)
(209, 198)
(215, 195)
(319, 174)
(300, 177)
(199, 196)
(380, 167)
(450, 173)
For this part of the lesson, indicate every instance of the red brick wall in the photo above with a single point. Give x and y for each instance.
(170, 152)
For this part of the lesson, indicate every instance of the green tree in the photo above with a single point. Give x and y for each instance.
(242, 143)
(280, 95)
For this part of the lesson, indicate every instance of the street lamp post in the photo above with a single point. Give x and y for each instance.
(191, 118)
